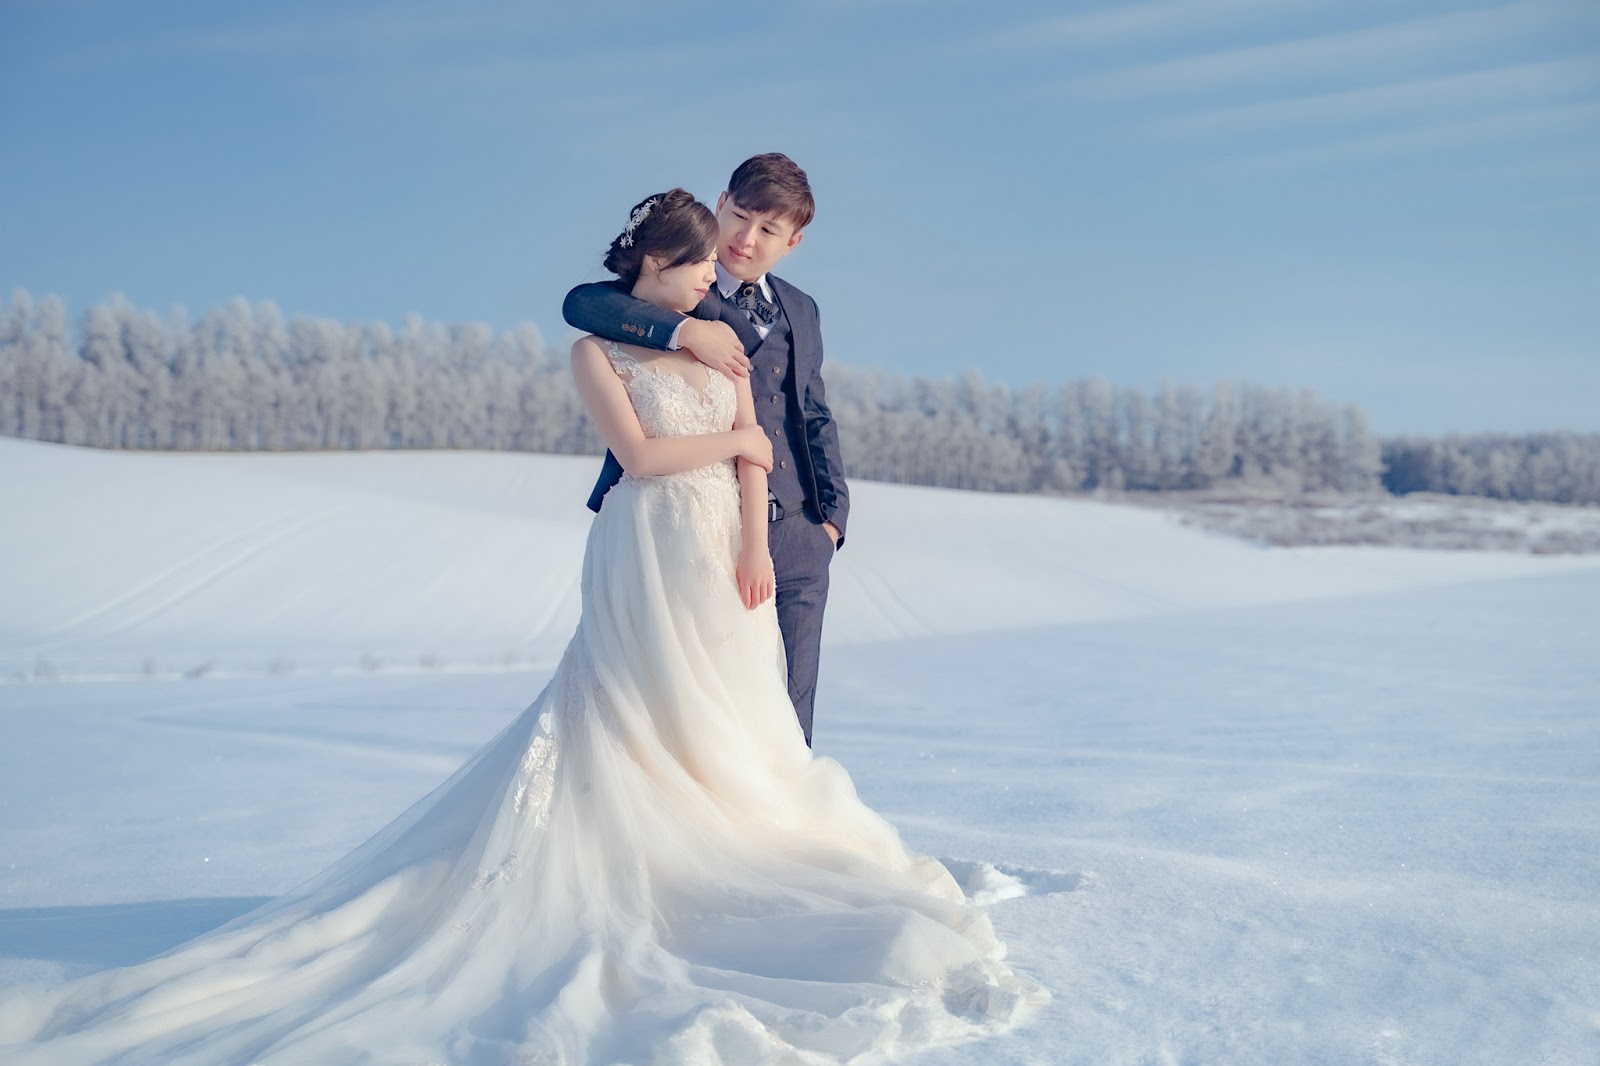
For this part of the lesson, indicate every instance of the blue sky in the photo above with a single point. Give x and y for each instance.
(1394, 203)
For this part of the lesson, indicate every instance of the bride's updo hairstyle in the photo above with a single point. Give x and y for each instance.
(672, 226)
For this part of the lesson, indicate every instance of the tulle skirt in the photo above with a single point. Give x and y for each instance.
(646, 866)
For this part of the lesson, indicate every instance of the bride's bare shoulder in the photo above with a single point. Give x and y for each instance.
(595, 346)
(589, 356)
(596, 351)
(597, 357)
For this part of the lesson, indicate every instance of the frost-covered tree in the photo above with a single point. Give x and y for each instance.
(1561, 467)
(42, 369)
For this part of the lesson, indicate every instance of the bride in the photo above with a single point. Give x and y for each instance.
(647, 865)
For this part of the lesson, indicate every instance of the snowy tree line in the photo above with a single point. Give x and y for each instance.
(244, 377)
(1559, 467)
(1087, 435)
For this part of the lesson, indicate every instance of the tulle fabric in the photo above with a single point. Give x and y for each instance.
(646, 866)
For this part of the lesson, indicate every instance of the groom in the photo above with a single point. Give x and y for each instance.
(756, 325)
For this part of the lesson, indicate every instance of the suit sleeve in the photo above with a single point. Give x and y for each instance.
(822, 438)
(607, 309)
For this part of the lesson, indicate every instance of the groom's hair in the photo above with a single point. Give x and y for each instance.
(772, 182)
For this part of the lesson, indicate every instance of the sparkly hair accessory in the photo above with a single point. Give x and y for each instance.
(640, 213)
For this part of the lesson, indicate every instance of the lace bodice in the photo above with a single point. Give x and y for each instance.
(669, 404)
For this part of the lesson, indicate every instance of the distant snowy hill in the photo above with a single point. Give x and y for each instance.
(119, 563)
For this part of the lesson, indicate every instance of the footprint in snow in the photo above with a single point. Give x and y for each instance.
(990, 882)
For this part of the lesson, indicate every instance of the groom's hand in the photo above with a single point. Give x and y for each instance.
(716, 345)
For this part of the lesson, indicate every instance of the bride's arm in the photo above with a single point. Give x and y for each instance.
(606, 399)
(754, 568)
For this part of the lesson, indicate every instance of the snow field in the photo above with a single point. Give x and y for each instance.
(1255, 805)
(126, 564)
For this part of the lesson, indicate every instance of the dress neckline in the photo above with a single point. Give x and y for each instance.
(637, 365)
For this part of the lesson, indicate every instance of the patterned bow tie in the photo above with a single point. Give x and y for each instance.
(752, 301)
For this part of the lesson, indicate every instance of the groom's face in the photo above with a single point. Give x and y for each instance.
(752, 242)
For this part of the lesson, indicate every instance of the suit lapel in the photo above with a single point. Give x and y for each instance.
(796, 311)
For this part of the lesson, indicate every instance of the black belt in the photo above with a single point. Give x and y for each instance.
(776, 510)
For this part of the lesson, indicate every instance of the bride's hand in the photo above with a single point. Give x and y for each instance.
(754, 574)
(754, 446)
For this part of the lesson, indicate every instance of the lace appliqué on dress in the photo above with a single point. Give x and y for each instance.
(534, 794)
(714, 569)
(536, 777)
(505, 873)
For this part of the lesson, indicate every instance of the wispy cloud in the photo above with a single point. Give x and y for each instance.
(393, 28)
(1534, 122)
(1152, 19)
(1578, 163)
(1401, 45)
(1482, 91)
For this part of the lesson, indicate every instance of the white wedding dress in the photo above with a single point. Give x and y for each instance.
(646, 866)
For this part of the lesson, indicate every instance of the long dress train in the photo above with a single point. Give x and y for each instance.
(647, 865)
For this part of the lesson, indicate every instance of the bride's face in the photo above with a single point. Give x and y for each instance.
(681, 288)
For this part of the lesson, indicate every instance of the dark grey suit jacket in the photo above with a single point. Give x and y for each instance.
(608, 309)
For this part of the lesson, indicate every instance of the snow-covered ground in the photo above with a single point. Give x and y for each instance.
(1270, 805)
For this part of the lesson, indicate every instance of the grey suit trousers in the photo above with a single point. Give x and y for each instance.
(801, 553)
